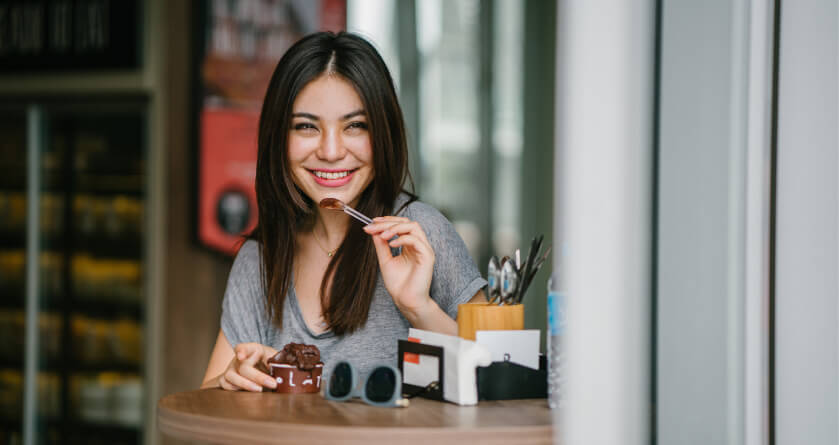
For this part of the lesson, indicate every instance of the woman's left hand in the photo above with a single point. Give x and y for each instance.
(407, 276)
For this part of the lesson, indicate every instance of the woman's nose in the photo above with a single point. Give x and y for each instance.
(332, 146)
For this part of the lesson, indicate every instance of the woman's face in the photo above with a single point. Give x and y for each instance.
(329, 146)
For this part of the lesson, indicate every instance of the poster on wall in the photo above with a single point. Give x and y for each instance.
(242, 42)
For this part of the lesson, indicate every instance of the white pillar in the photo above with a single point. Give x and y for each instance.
(604, 127)
(807, 228)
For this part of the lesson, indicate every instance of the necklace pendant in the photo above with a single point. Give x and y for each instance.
(329, 254)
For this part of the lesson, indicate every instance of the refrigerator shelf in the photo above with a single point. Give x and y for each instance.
(79, 367)
(92, 181)
(12, 178)
(86, 189)
(112, 309)
(105, 309)
(117, 247)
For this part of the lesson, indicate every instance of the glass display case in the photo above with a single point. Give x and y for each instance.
(72, 311)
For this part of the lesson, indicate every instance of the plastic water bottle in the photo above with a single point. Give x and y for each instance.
(556, 328)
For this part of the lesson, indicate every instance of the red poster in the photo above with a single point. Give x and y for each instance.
(244, 41)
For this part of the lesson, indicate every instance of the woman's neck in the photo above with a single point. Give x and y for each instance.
(331, 226)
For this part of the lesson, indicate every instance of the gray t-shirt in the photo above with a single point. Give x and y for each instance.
(455, 280)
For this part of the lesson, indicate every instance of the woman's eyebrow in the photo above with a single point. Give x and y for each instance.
(350, 115)
(359, 112)
(306, 115)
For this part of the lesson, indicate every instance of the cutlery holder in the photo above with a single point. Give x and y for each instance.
(473, 317)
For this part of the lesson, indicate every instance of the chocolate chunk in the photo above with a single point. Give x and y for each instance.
(297, 354)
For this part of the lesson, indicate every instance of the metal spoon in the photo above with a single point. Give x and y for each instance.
(509, 282)
(337, 204)
(493, 279)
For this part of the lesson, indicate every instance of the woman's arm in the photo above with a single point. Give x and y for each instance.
(407, 276)
(219, 359)
(436, 320)
(238, 369)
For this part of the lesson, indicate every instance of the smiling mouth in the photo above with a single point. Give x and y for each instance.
(332, 177)
(332, 174)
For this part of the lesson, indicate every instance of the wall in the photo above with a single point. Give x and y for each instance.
(195, 277)
(537, 175)
(700, 223)
(807, 259)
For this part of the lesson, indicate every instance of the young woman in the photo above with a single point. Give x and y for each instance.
(331, 126)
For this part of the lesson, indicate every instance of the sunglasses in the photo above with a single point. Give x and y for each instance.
(381, 387)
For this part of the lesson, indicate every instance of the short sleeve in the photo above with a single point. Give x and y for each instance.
(243, 309)
(456, 278)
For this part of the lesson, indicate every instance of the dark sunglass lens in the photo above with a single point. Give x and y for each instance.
(340, 383)
(381, 385)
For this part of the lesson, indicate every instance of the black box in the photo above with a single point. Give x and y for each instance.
(507, 380)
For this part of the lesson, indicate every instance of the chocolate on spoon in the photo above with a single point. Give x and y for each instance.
(337, 204)
(331, 204)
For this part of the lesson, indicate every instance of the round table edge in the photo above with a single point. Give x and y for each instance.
(220, 430)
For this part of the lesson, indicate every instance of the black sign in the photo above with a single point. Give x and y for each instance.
(56, 35)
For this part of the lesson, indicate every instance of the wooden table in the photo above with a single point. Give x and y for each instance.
(215, 415)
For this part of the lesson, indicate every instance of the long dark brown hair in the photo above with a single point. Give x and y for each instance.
(284, 210)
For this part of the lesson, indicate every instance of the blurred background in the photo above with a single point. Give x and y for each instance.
(681, 157)
(140, 118)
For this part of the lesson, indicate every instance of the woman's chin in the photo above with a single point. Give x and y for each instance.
(347, 194)
(321, 193)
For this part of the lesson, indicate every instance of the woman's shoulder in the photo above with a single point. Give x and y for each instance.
(419, 211)
(248, 255)
(439, 230)
(243, 279)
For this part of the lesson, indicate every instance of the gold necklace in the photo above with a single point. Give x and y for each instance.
(328, 252)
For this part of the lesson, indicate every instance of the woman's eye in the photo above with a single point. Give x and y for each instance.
(304, 126)
(357, 126)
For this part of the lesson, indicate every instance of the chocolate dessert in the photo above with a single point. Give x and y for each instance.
(297, 368)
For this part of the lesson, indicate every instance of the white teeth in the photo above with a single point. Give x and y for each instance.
(331, 175)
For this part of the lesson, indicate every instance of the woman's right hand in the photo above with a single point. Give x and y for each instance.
(246, 370)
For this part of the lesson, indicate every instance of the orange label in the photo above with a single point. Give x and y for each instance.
(410, 357)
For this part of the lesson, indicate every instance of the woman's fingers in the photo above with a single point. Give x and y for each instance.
(376, 228)
(254, 375)
(387, 235)
(250, 356)
(412, 228)
(247, 350)
(382, 223)
(411, 240)
(393, 231)
(236, 379)
(268, 352)
(388, 229)
(382, 249)
(224, 384)
(390, 219)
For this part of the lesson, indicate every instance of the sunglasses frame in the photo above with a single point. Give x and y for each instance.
(396, 398)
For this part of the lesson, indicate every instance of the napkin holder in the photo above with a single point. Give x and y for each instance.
(419, 349)
(454, 367)
(508, 380)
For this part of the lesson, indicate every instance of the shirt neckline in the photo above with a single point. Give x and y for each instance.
(298, 314)
(292, 292)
